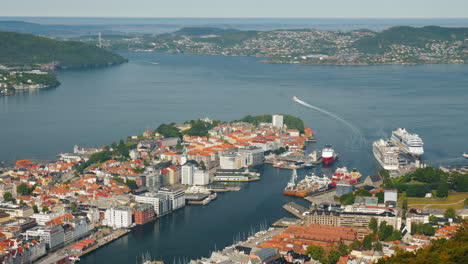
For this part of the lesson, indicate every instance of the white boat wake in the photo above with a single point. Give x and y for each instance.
(356, 131)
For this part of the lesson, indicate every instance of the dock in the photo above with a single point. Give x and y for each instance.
(295, 209)
(286, 222)
(105, 240)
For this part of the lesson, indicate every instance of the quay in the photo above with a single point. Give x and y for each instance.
(295, 209)
(286, 222)
(104, 241)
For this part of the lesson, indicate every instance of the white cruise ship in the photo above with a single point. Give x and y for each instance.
(410, 143)
(386, 154)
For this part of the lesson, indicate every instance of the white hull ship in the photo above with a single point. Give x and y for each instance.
(409, 143)
(386, 154)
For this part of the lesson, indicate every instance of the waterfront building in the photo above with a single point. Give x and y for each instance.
(264, 255)
(170, 176)
(160, 202)
(297, 238)
(350, 219)
(277, 121)
(143, 213)
(153, 180)
(201, 177)
(53, 236)
(80, 227)
(175, 196)
(118, 217)
(252, 156)
(187, 173)
(230, 161)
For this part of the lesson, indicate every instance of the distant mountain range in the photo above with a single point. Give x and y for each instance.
(25, 50)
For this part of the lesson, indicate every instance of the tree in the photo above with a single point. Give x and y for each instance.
(367, 242)
(73, 206)
(343, 249)
(315, 252)
(35, 209)
(396, 235)
(333, 256)
(450, 213)
(442, 190)
(21, 202)
(433, 220)
(22, 189)
(385, 231)
(380, 197)
(377, 246)
(202, 165)
(347, 198)
(373, 225)
(131, 184)
(7, 197)
(355, 245)
(45, 209)
(405, 204)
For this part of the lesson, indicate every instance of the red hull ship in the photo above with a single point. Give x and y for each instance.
(328, 155)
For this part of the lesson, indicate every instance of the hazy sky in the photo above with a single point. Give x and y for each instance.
(239, 8)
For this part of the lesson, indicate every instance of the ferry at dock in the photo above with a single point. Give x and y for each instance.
(309, 185)
(386, 154)
(409, 143)
(342, 175)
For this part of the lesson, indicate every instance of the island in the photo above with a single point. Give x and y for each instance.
(12, 81)
(396, 45)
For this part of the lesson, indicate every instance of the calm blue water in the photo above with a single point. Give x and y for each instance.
(96, 107)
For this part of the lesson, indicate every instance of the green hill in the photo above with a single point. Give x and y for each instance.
(409, 36)
(291, 121)
(441, 251)
(28, 50)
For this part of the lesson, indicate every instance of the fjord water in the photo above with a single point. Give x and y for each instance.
(99, 106)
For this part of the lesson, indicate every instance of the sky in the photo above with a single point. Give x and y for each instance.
(238, 8)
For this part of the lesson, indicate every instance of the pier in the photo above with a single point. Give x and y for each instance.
(295, 209)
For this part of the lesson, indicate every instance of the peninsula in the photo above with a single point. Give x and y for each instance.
(25, 51)
(396, 45)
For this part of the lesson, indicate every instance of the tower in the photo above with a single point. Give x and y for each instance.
(99, 40)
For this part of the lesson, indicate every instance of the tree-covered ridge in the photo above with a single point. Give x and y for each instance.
(422, 181)
(291, 121)
(409, 36)
(444, 251)
(28, 50)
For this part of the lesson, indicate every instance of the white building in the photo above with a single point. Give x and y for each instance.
(118, 217)
(252, 156)
(160, 202)
(192, 175)
(176, 197)
(52, 235)
(391, 197)
(230, 161)
(201, 177)
(187, 171)
(277, 121)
